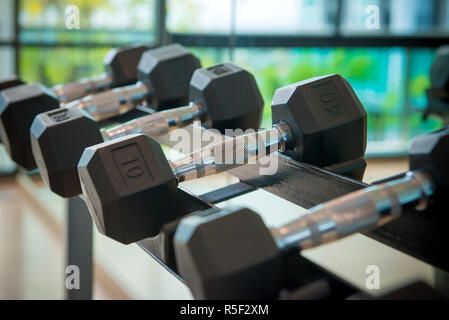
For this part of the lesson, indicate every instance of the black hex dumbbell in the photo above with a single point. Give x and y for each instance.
(224, 96)
(231, 254)
(130, 187)
(9, 83)
(164, 75)
(121, 69)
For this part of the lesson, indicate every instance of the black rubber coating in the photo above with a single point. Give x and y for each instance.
(326, 118)
(18, 107)
(167, 71)
(230, 95)
(58, 139)
(228, 254)
(121, 64)
(430, 152)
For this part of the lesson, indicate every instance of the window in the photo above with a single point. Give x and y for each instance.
(398, 17)
(6, 21)
(415, 17)
(6, 61)
(361, 16)
(100, 21)
(54, 51)
(387, 63)
(67, 63)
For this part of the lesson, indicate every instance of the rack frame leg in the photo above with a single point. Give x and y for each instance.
(79, 251)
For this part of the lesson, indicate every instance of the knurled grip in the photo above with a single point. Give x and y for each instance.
(230, 153)
(355, 212)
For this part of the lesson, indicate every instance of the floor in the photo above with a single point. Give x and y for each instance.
(32, 256)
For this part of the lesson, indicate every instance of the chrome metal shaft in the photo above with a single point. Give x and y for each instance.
(110, 103)
(231, 153)
(355, 212)
(157, 123)
(79, 89)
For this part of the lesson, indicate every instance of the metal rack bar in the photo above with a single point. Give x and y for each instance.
(79, 248)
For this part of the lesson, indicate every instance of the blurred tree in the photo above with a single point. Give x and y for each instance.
(418, 85)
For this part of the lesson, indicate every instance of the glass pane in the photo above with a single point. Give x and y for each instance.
(251, 16)
(100, 21)
(53, 66)
(6, 20)
(6, 61)
(199, 16)
(362, 16)
(399, 17)
(413, 16)
(286, 17)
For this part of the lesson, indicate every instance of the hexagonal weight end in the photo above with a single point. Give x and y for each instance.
(168, 70)
(439, 71)
(18, 107)
(326, 117)
(121, 64)
(58, 139)
(230, 95)
(228, 254)
(128, 186)
(430, 152)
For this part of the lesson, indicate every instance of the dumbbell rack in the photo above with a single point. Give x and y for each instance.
(422, 235)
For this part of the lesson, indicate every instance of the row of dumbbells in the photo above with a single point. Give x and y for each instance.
(319, 121)
(130, 187)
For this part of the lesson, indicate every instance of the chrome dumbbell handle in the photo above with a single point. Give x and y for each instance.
(107, 104)
(76, 90)
(355, 212)
(157, 123)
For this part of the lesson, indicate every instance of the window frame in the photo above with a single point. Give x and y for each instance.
(337, 39)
